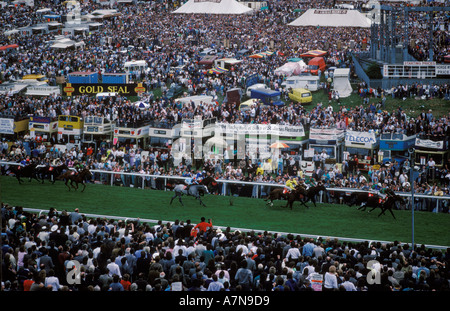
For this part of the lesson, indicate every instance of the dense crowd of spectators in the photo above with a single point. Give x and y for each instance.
(40, 251)
(67, 251)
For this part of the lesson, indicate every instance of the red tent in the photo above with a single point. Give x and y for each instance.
(447, 58)
(314, 53)
(7, 47)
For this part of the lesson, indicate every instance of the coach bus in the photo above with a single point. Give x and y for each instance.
(395, 146)
(133, 133)
(70, 130)
(364, 145)
(42, 128)
(96, 130)
(432, 147)
(331, 140)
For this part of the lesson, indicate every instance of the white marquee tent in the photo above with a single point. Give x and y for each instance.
(291, 68)
(341, 82)
(332, 18)
(213, 7)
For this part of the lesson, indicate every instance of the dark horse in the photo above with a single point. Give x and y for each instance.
(24, 171)
(196, 191)
(312, 192)
(291, 196)
(75, 177)
(210, 183)
(373, 200)
(390, 203)
(51, 172)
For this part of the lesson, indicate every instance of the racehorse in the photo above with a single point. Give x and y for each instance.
(390, 202)
(373, 200)
(296, 194)
(210, 183)
(25, 171)
(312, 192)
(52, 172)
(196, 191)
(76, 177)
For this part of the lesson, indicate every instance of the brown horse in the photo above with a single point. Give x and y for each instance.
(296, 194)
(373, 200)
(75, 177)
(312, 193)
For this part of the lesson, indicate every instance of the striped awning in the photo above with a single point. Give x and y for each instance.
(218, 70)
(261, 54)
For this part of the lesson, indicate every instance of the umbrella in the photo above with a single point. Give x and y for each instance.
(279, 145)
(142, 105)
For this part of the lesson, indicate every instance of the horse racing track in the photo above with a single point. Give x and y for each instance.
(326, 220)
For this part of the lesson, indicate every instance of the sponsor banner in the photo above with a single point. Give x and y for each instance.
(442, 70)
(261, 129)
(330, 11)
(129, 89)
(360, 139)
(428, 143)
(37, 119)
(131, 132)
(326, 134)
(6, 126)
(414, 63)
(43, 90)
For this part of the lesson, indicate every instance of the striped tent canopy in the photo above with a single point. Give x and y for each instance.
(261, 54)
(218, 70)
(314, 53)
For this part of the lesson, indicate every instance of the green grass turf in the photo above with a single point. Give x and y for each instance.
(247, 213)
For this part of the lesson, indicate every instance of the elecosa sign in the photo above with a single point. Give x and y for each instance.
(361, 138)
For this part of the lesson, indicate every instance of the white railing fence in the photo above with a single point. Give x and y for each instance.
(150, 181)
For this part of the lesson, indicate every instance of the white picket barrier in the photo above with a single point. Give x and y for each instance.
(237, 182)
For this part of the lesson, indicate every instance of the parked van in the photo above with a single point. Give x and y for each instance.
(247, 105)
(254, 87)
(316, 64)
(268, 97)
(306, 82)
(208, 51)
(300, 95)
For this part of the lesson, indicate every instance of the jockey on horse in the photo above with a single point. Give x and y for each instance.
(381, 191)
(194, 180)
(290, 185)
